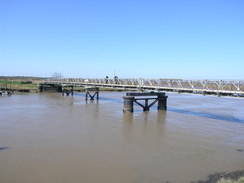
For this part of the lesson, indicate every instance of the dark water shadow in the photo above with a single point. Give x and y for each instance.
(116, 100)
(207, 115)
(3, 148)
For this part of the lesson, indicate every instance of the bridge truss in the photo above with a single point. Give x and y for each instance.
(219, 87)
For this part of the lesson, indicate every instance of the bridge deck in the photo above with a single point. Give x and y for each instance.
(225, 87)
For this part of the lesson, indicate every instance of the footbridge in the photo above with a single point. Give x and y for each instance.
(205, 87)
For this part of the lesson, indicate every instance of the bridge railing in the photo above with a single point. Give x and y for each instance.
(219, 85)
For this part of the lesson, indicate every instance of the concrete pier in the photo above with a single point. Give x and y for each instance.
(130, 98)
(50, 88)
(128, 103)
(162, 102)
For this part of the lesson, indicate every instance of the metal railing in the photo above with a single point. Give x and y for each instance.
(223, 86)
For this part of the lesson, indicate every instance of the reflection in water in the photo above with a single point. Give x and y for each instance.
(161, 116)
(128, 117)
(102, 98)
(59, 139)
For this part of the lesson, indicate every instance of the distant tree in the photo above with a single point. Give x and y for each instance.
(57, 75)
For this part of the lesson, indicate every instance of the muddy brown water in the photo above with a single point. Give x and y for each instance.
(50, 138)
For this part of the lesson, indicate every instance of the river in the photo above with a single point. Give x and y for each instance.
(50, 138)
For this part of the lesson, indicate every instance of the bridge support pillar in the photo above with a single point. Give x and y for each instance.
(130, 98)
(67, 92)
(162, 102)
(96, 90)
(128, 103)
(40, 88)
(60, 88)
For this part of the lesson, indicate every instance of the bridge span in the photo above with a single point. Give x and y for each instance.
(205, 87)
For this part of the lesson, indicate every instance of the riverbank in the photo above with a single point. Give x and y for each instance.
(20, 83)
(19, 86)
(230, 177)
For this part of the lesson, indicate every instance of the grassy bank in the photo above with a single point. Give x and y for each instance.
(240, 180)
(17, 85)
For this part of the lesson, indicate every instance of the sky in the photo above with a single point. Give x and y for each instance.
(184, 39)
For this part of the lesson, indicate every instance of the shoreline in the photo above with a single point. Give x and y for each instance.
(214, 178)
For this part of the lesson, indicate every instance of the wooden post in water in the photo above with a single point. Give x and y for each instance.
(97, 93)
(128, 103)
(86, 95)
(72, 90)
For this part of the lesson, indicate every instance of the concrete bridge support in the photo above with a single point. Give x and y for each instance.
(162, 102)
(130, 98)
(128, 103)
(50, 88)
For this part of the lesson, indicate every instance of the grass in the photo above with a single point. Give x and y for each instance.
(240, 180)
(17, 85)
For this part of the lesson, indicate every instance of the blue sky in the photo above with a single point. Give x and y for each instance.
(187, 39)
